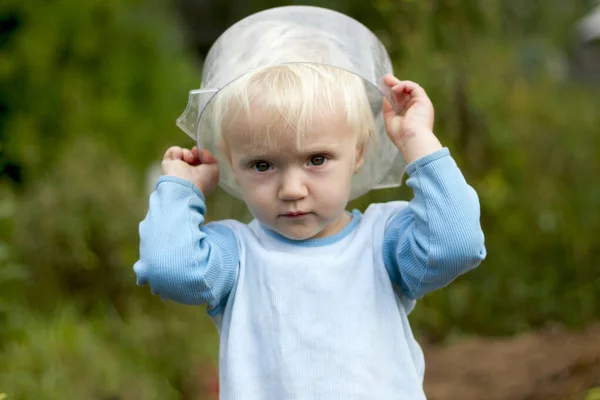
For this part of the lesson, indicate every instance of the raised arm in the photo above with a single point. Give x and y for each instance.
(438, 236)
(180, 258)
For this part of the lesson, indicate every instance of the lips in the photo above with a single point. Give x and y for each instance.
(295, 214)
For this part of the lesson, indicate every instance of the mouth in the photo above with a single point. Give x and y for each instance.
(295, 214)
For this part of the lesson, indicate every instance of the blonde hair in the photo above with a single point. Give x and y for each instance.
(286, 74)
(291, 96)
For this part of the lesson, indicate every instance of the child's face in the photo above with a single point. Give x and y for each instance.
(299, 192)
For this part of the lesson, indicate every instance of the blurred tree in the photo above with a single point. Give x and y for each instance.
(525, 149)
(69, 69)
(206, 20)
(84, 86)
(585, 54)
(89, 92)
(9, 24)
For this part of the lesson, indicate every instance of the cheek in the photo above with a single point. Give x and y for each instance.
(345, 174)
(256, 190)
(334, 187)
(254, 201)
(344, 186)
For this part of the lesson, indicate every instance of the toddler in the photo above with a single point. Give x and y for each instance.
(311, 301)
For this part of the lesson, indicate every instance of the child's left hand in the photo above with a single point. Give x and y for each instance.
(411, 130)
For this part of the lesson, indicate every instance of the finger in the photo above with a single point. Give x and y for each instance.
(408, 93)
(403, 97)
(207, 157)
(188, 157)
(387, 109)
(411, 88)
(390, 80)
(173, 153)
(196, 156)
(390, 118)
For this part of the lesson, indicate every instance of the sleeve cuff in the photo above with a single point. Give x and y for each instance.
(183, 182)
(421, 162)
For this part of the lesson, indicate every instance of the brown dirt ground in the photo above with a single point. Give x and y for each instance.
(553, 364)
(549, 365)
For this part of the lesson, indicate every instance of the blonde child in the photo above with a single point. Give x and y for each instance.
(311, 301)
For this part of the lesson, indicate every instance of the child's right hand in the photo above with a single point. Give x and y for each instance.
(201, 169)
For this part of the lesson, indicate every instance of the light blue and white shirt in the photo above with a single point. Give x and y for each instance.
(317, 319)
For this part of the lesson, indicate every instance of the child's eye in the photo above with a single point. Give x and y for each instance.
(261, 166)
(317, 160)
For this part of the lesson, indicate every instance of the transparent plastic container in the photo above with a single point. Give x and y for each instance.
(326, 37)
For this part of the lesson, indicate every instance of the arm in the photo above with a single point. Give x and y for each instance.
(438, 236)
(180, 259)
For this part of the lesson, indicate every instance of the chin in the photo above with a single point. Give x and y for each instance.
(299, 235)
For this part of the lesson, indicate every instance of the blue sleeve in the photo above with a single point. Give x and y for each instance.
(438, 236)
(180, 259)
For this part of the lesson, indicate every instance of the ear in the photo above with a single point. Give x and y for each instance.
(360, 158)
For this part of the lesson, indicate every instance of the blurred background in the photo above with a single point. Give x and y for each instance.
(89, 94)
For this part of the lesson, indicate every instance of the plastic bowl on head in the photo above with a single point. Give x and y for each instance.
(299, 34)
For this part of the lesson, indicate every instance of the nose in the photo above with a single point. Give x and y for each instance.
(292, 186)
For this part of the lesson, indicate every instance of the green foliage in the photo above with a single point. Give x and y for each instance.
(84, 215)
(64, 356)
(109, 70)
(89, 92)
(526, 138)
(12, 275)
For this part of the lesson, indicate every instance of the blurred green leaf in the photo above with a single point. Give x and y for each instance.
(89, 92)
